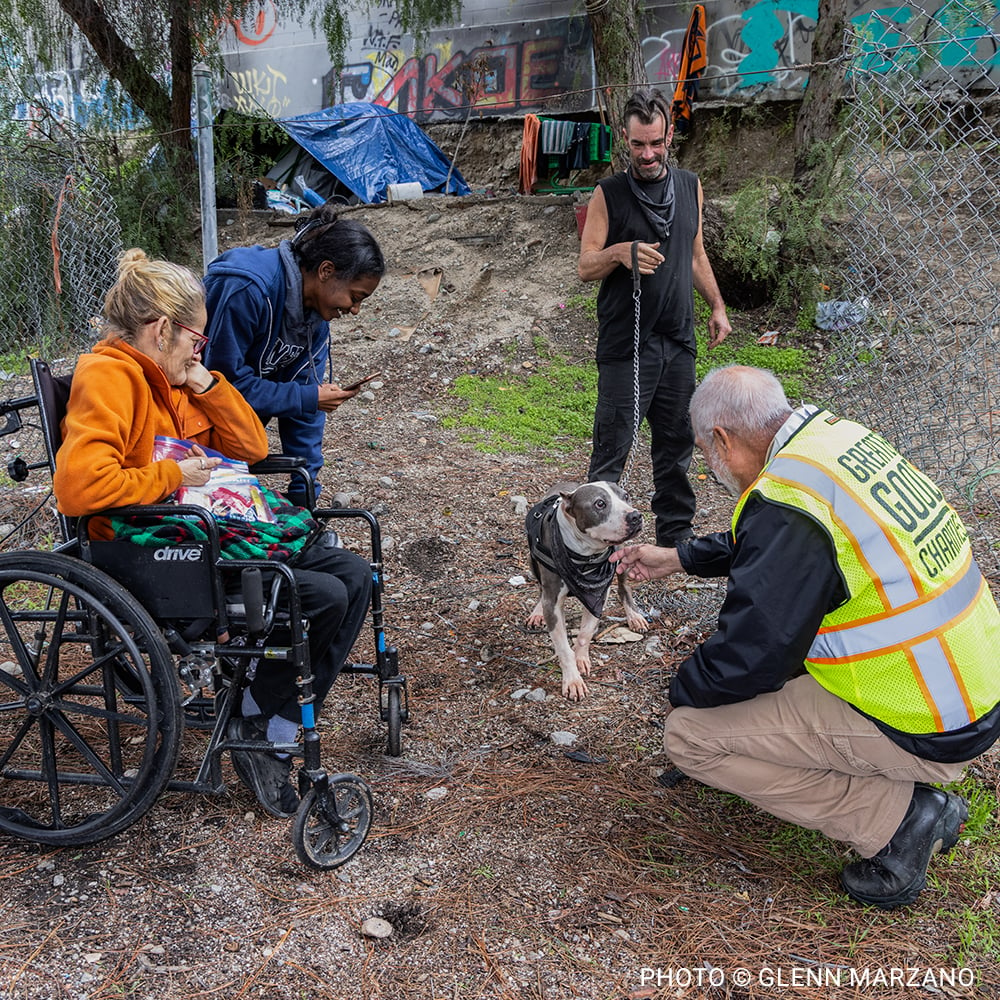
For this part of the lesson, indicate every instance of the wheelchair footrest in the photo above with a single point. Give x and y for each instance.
(368, 669)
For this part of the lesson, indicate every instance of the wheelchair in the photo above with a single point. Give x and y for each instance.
(109, 651)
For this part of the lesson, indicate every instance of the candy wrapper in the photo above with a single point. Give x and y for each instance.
(231, 491)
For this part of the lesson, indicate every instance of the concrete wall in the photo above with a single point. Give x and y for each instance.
(540, 60)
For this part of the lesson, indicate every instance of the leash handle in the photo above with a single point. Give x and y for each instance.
(635, 269)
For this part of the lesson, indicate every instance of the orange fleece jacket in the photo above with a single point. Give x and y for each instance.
(119, 401)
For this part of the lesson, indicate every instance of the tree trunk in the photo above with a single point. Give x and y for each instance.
(181, 67)
(169, 113)
(614, 27)
(816, 125)
(148, 95)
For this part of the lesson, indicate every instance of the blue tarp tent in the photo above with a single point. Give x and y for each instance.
(368, 147)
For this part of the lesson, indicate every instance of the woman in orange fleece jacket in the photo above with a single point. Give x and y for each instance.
(146, 378)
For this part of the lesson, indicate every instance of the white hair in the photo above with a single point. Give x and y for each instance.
(748, 402)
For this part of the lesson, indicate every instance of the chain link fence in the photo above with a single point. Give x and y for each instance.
(60, 239)
(924, 252)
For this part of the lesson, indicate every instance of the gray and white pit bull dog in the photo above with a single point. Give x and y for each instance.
(571, 533)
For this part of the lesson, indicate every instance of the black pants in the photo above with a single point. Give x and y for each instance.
(335, 588)
(666, 383)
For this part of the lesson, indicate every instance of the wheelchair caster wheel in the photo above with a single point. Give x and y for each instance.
(395, 714)
(331, 824)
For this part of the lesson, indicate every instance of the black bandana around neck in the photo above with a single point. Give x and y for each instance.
(659, 213)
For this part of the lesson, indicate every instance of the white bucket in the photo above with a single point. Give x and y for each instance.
(404, 192)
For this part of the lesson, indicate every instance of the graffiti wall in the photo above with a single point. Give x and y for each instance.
(508, 68)
(545, 64)
(516, 58)
(764, 49)
(68, 95)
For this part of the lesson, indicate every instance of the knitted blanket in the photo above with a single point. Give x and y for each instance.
(293, 529)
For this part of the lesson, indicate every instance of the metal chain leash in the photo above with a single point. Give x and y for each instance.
(636, 419)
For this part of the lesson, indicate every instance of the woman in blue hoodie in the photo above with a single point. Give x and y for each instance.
(269, 312)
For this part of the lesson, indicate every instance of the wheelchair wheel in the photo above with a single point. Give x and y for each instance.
(394, 711)
(90, 716)
(331, 824)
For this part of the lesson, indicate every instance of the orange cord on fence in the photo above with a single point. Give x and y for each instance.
(56, 252)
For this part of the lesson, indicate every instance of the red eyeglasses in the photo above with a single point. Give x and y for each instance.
(200, 340)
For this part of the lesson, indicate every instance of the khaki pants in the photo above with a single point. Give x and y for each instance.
(805, 756)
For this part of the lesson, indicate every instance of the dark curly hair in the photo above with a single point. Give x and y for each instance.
(347, 244)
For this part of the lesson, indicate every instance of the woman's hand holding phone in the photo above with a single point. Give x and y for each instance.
(332, 395)
(360, 382)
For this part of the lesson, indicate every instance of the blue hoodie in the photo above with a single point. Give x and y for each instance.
(261, 339)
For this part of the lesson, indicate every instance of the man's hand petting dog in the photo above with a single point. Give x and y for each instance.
(646, 562)
(572, 533)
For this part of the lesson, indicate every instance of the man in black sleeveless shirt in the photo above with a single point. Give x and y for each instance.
(658, 208)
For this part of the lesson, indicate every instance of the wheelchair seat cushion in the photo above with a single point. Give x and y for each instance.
(292, 531)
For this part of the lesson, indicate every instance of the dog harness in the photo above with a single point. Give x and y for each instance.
(586, 577)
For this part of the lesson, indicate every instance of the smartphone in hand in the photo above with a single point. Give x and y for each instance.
(360, 382)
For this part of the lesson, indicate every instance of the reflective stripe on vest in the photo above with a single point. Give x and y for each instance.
(893, 581)
(905, 625)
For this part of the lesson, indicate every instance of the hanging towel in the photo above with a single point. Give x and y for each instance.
(578, 151)
(556, 136)
(694, 59)
(527, 173)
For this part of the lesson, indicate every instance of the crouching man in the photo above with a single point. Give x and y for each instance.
(856, 659)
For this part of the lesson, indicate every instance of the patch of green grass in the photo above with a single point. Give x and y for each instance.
(805, 319)
(978, 933)
(552, 407)
(789, 364)
(15, 362)
(807, 851)
(542, 348)
(983, 805)
(27, 595)
(587, 301)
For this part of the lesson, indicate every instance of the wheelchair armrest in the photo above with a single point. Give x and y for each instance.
(324, 514)
(292, 465)
(278, 463)
(153, 511)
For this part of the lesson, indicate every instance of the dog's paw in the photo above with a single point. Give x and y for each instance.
(583, 665)
(537, 617)
(574, 689)
(636, 621)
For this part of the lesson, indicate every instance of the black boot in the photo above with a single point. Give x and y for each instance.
(895, 876)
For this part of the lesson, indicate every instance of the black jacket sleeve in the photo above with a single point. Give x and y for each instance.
(783, 579)
(710, 555)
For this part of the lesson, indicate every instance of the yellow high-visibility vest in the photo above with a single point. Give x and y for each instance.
(917, 643)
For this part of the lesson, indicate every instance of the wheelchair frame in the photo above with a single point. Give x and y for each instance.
(103, 641)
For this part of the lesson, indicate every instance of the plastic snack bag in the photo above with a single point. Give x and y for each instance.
(231, 491)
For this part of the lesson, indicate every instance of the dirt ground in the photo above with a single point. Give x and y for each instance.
(508, 865)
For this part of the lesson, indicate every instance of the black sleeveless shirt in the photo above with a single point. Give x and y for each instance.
(667, 296)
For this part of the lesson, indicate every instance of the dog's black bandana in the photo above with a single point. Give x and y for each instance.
(586, 577)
